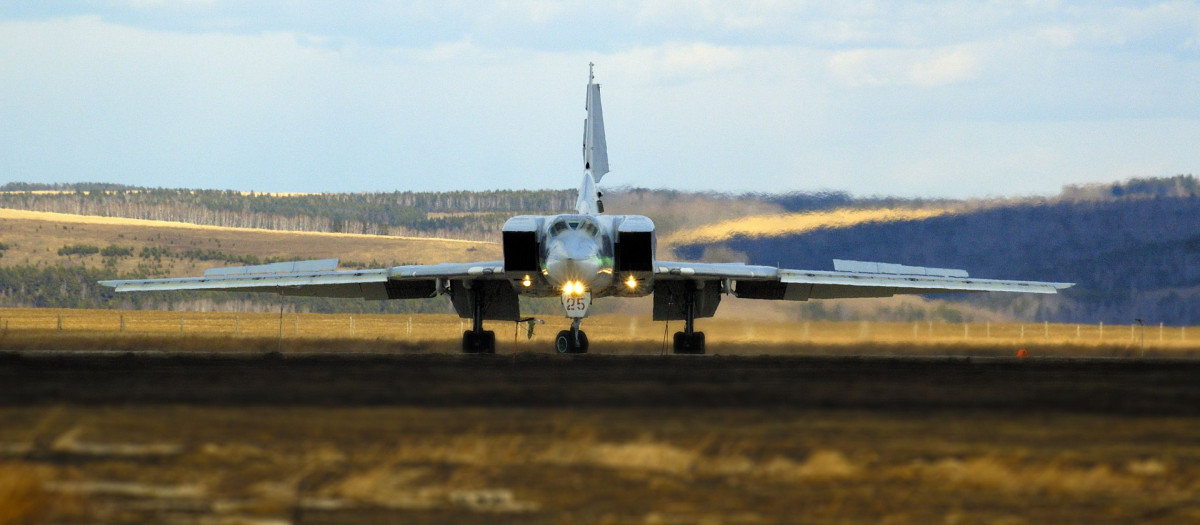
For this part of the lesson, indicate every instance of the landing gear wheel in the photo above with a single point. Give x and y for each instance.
(563, 342)
(692, 343)
(483, 342)
(567, 343)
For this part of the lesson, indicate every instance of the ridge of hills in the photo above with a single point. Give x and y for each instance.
(1133, 257)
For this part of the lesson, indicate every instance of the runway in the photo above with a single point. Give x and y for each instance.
(1111, 386)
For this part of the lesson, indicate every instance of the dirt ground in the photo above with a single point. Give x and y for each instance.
(320, 438)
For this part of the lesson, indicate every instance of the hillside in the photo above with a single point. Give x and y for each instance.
(51, 259)
(1132, 257)
(462, 215)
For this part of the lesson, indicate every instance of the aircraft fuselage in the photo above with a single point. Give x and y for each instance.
(597, 255)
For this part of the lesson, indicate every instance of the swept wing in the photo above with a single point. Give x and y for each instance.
(850, 279)
(321, 279)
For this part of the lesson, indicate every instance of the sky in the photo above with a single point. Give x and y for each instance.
(914, 99)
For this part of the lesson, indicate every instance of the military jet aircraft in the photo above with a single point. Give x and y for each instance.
(579, 257)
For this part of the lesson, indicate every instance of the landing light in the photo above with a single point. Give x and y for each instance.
(573, 288)
(527, 282)
(631, 282)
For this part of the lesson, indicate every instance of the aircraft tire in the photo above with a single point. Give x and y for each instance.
(563, 342)
(583, 343)
(479, 343)
(689, 344)
(487, 343)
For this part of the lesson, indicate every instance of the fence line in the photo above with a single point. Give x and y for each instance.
(618, 327)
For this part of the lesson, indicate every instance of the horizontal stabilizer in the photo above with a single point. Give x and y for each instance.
(894, 269)
(319, 265)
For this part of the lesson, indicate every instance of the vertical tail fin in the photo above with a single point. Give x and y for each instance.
(595, 150)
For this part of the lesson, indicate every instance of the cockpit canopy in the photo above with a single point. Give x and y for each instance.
(574, 222)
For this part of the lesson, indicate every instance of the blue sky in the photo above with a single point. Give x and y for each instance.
(932, 98)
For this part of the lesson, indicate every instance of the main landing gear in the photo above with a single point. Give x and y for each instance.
(572, 341)
(689, 341)
(477, 340)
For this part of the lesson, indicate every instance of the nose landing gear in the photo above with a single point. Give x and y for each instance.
(572, 341)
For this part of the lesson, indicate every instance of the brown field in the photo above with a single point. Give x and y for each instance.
(35, 237)
(132, 330)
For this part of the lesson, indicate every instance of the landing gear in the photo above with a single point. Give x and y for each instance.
(692, 343)
(477, 340)
(575, 305)
(572, 341)
(481, 342)
(689, 341)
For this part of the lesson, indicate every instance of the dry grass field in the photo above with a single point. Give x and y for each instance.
(795, 223)
(65, 329)
(35, 238)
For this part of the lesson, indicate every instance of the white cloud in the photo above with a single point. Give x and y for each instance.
(870, 97)
(944, 67)
(922, 67)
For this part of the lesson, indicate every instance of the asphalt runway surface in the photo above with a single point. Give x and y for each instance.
(1124, 386)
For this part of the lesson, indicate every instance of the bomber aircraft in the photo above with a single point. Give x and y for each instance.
(579, 257)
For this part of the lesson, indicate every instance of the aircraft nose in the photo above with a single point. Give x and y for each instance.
(572, 258)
